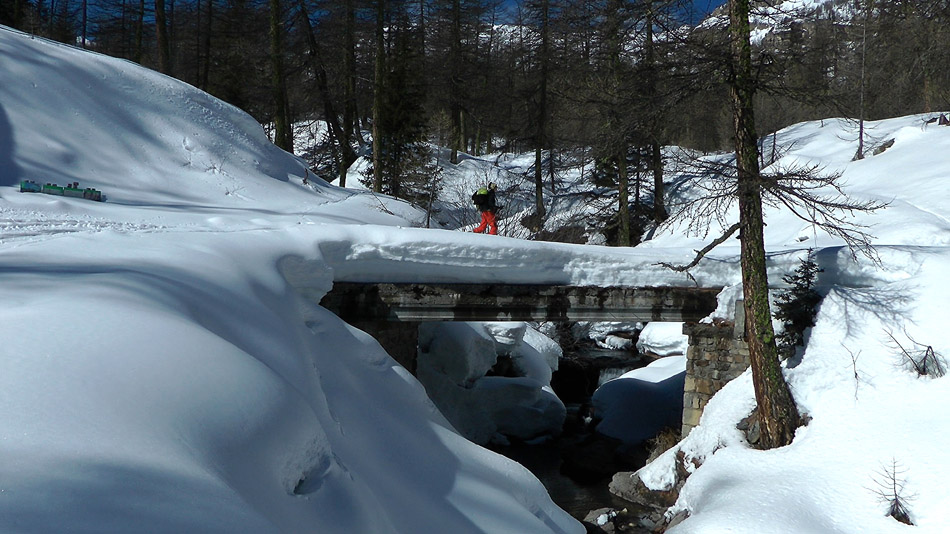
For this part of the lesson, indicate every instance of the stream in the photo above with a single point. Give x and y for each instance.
(544, 462)
(580, 373)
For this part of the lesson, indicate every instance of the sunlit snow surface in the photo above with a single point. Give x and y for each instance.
(159, 374)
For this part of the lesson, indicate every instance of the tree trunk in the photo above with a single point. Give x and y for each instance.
(283, 130)
(455, 60)
(623, 187)
(85, 21)
(161, 30)
(206, 38)
(378, 97)
(859, 154)
(139, 33)
(17, 17)
(538, 187)
(656, 163)
(778, 414)
(350, 120)
(540, 136)
(656, 155)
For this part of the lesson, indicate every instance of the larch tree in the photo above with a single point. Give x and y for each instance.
(651, 73)
(542, 111)
(806, 191)
(614, 38)
(350, 125)
(337, 132)
(379, 72)
(455, 81)
(778, 414)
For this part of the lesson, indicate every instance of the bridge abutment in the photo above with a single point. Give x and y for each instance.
(393, 312)
(717, 354)
(401, 340)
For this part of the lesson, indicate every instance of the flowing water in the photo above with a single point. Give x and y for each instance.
(544, 461)
(590, 367)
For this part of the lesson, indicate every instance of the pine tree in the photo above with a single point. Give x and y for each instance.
(797, 306)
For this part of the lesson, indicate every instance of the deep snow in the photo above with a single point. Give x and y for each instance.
(158, 373)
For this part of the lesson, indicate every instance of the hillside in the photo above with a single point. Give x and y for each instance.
(157, 375)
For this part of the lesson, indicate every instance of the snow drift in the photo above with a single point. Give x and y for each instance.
(158, 374)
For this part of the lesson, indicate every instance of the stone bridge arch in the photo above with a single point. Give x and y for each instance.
(392, 313)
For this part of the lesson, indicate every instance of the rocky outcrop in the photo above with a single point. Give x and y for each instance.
(628, 485)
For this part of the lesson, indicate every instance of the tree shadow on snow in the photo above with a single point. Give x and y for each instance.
(9, 171)
(102, 496)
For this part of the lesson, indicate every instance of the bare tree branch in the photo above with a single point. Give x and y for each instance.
(809, 192)
(705, 250)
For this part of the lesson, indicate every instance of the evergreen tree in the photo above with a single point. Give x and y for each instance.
(283, 129)
(797, 305)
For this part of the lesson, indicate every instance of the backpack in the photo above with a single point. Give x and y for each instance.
(480, 197)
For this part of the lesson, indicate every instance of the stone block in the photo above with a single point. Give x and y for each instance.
(689, 384)
(691, 416)
(707, 386)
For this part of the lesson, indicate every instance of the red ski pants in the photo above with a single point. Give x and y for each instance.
(488, 221)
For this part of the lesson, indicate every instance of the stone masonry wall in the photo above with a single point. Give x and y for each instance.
(717, 353)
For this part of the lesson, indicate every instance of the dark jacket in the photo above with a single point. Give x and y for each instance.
(484, 200)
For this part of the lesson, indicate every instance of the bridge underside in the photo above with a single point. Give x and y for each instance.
(490, 302)
(392, 312)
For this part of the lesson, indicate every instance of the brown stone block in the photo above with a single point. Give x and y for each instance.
(691, 417)
(707, 386)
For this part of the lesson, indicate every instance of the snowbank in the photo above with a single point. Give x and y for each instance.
(159, 374)
(639, 404)
(517, 402)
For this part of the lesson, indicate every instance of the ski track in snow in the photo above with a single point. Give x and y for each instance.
(18, 228)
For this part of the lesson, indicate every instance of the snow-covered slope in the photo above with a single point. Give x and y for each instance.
(156, 372)
(776, 17)
(876, 428)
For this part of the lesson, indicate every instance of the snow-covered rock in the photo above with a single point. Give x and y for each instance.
(454, 359)
(639, 404)
(663, 339)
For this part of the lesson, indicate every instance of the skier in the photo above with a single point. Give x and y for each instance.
(484, 200)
